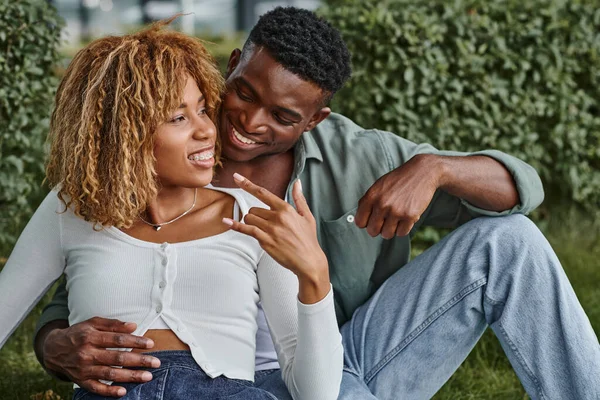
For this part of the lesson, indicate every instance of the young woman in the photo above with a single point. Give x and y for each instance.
(140, 238)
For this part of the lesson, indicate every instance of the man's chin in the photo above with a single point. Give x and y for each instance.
(236, 155)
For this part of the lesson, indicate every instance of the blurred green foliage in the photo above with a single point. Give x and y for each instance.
(29, 39)
(519, 76)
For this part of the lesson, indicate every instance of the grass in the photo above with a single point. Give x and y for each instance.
(486, 374)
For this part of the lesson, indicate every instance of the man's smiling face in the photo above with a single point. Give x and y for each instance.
(266, 108)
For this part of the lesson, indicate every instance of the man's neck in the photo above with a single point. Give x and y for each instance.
(271, 172)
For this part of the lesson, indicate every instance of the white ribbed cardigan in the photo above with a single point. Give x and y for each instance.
(206, 291)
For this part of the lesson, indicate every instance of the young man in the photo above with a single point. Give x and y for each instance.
(406, 326)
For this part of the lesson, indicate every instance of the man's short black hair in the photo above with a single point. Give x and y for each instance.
(305, 45)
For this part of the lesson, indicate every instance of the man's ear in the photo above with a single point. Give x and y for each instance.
(317, 118)
(234, 60)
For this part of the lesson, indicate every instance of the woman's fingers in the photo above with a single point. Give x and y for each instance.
(260, 223)
(300, 200)
(259, 192)
(246, 229)
(261, 212)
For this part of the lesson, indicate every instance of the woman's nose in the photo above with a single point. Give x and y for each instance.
(204, 128)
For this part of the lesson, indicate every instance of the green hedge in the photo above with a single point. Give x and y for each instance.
(29, 39)
(520, 76)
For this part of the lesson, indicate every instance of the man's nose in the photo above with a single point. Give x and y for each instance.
(254, 120)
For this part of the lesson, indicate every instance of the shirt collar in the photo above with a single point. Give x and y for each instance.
(307, 147)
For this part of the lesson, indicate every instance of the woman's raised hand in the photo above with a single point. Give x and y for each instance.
(289, 236)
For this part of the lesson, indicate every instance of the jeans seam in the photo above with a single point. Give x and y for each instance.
(271, 395)
(169, 366)
(238, 382)
(351, 371)
(164, 385)
(492, 301)
(265, 372)
(421, 328)
(82, 394)
(521, 361)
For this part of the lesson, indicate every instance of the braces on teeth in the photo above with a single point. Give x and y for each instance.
(199, 157)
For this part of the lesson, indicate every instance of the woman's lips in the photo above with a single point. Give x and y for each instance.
(204, 158)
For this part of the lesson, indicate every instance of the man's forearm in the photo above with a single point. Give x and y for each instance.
(480, 180)
(39, 340)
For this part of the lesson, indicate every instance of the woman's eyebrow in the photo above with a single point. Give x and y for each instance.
(200, 100)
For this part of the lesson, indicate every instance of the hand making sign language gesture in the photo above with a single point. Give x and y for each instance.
(289, 236)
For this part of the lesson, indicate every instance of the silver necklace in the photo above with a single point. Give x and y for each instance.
(158, 226)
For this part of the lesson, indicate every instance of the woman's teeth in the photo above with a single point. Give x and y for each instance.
(201, 156)
(242, 138)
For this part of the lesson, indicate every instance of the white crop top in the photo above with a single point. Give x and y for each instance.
(205, 290)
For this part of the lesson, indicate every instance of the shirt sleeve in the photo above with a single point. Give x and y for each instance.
(446, 210)
(35, 263)
(306, 337)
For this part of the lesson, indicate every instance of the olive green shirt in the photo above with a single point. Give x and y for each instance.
(338, 161)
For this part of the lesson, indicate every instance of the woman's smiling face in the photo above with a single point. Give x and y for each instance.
(185, 144)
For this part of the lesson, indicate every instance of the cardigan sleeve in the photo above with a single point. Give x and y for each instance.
(306, 337)
(35, 263)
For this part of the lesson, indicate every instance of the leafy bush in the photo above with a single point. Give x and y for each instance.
(519, 76)
(29, 38)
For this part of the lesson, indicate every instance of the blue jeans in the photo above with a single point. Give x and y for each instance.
(417, 329)
(180, 378)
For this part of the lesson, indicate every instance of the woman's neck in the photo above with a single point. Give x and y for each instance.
(170, 203)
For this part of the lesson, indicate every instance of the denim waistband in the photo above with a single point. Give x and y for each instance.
(169, 353)
(173, 356)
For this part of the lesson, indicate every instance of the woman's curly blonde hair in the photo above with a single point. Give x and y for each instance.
(114, 95)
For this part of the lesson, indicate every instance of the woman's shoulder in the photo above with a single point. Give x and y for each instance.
(55, 205)
(52, 204)
(244, 199)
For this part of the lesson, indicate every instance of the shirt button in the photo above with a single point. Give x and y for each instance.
(162, 284)
(181, 328)
(165, 262)
(164, 245)
(207, 367)
(350, 218)
(158, 309)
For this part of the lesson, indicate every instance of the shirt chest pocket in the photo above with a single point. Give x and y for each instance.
(352, 255)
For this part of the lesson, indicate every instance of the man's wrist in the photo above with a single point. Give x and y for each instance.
(40, 340)
(440, 167)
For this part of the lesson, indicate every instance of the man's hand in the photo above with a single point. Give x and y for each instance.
(397, 200)
(80, 353)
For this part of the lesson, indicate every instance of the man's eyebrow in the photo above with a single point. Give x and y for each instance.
(292, 113)
(248, 86)
(200, 100)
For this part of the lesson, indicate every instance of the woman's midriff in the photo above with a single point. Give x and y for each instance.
(164, 339)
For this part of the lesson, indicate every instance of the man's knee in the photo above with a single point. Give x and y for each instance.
(514, 234)
(516, 227)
